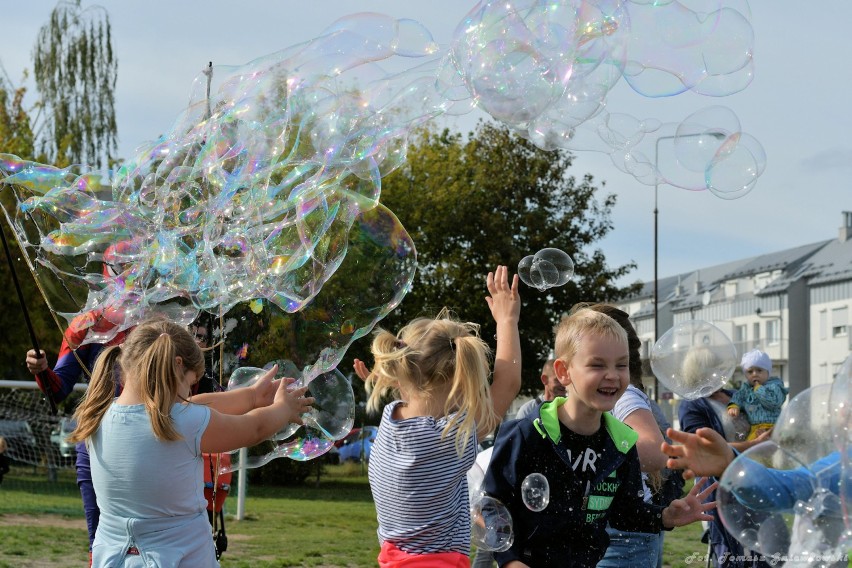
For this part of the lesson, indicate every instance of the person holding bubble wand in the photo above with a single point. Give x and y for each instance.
(588, 457)
(438, 368)
(145, 445)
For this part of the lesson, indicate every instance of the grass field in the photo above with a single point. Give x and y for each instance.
(325, 526)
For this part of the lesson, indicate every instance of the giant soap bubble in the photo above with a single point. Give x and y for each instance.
(330, 418)
(784, 497)
(491, 525)
(694, 359)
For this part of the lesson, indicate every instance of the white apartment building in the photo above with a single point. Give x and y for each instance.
(793, 304)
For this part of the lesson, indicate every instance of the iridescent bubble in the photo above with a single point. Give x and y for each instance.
(694, 359)
(333, 411)
(491, 525)
(535, 492)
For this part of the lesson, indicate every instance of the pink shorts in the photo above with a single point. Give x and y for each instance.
(391, 557)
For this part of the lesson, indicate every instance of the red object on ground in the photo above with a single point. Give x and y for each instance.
(223, 482)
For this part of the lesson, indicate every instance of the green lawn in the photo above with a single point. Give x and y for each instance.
(332, 525)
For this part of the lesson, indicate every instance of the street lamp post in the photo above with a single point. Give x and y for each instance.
(715, 135)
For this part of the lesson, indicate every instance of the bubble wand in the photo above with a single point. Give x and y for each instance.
(29, 323)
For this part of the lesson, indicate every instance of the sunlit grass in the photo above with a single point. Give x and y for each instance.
(332, 525)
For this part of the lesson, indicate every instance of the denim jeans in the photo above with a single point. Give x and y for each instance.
(631, 549)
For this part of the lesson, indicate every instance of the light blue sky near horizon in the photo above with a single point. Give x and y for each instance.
(797, 107)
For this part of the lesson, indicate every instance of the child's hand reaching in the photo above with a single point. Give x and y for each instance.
(505, 305)
(691, 508)
(361, 369)
(504, 302)
(264, 389)
(704, 453)
(294, 402)
(733, 412)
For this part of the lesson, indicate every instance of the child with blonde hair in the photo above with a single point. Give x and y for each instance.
(588, 457)
(145, 445)
(438, 368)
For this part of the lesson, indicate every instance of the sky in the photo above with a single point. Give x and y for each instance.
(797, 107)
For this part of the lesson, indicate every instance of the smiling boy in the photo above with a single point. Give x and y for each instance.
(588, 457)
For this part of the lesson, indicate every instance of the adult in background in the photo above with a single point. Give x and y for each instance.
(711, 412)
(552, 389)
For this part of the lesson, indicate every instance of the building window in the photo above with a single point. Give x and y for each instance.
(823, 324)
(756, 333)
(740, 334)
(838, 322)
(773, 332)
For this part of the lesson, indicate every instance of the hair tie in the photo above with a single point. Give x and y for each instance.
(164, 333)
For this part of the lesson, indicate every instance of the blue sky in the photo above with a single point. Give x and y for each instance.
(797, 107)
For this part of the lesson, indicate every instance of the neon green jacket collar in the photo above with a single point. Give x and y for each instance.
(622, 435)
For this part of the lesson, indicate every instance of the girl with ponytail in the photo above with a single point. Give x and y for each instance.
(145, 445)
(438, 370)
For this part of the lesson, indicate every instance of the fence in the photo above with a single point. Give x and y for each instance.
(36, 438)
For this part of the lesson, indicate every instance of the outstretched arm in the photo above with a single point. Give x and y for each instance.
(505, 304)
(240, 401)
(227, 432)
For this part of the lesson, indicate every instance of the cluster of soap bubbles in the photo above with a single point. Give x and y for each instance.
(262, 200)
(548, 268)
(694, 359)
(789, 496)
(546, 70)
(331, 416)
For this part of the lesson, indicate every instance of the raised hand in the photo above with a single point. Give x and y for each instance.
(361, 369)
(504, 301)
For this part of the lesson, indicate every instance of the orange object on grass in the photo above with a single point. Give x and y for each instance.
(223, 481)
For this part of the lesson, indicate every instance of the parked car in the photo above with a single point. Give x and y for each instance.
(347, 438)
(59, 437)
(357, 445)
(21, 442)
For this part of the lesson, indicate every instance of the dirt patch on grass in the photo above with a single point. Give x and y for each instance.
(42, 520)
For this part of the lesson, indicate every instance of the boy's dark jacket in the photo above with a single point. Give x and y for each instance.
(571, 530)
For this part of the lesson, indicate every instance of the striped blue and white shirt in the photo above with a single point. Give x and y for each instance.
(419, 484)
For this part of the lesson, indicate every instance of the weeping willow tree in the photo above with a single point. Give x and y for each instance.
(75, 72)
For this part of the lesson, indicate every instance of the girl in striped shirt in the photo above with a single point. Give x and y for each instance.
(438, 371)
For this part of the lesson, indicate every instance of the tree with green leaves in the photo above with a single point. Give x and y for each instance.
(16, 137)
(75, 72)
(493, 198)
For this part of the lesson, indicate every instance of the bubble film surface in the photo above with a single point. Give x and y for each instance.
(694, 359)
